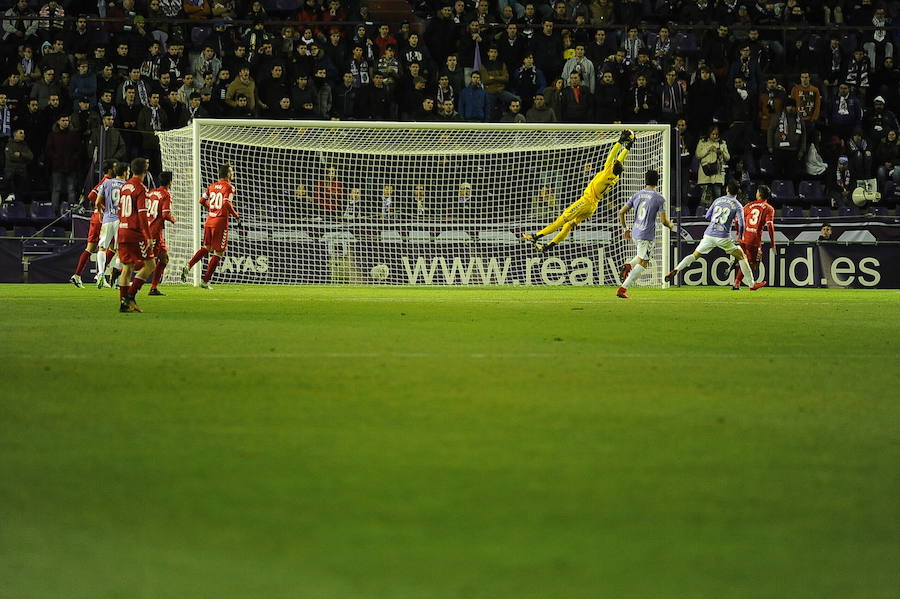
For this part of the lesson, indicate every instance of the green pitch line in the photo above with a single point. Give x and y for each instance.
(429, 443)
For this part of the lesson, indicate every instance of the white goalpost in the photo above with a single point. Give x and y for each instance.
(326, 202)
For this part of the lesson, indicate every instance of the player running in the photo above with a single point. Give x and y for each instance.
(757, 212)
(586, 205)
(108, 201)
(720, 215)
(94, 232)
(135, 241)
(159, 210)
(217, 198)
(647, 203)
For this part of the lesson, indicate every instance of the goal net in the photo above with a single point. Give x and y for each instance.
(409, 203)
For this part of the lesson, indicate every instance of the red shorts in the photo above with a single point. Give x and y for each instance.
(134, 253)
(94, 231)
(215, 238)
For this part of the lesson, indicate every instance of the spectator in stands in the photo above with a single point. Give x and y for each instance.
(747, 68)
(15, 92)
(886, 81)
(448, 113)
(770, 103)
(62, 155)
(547, 48)
(857, 74)
(642, 104)
(704, 101)
(152, 120)
(713, 155)
(140, 85)
(127, 114)
(42, 89)
(527, 80)
(377, 101)
(241, 108)
(426, 112)
(53, 24)
(454, 73)
(324, 96)
(207, 62)
(474, 102)
(18, 160)
(269, 90)
(859, 152)
(180, 115)
(389, 67)
(84, 83)
(845, 112)
(441, 35)
(514, 113)
(887, 157)
(808, 99)
(496, 80)
(110, 138)
(878, 121)
(825, 233)
(583, 66)
(786, 142)
(577, 101)
(839, 187)
(83, 120)
(245, 85)
(6, 120)
(344, 107)
(17, 28)
(27, 66)
(329, 193)
(539, 111)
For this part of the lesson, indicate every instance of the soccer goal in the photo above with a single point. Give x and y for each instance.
(409, 203)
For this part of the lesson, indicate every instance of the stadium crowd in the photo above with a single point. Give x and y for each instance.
(755, 89)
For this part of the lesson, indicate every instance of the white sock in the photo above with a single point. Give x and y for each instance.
(686, 261)
(101, 262)
(748, 274)
(633, 276)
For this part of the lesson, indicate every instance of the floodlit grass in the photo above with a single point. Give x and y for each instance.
(430, 443)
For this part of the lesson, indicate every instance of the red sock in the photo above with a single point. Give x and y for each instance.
(109, 255)
(200, 255)
(213, 263)
(82, 260)
(738, 278)
(157, 274)
(123, 293)
(136, 285)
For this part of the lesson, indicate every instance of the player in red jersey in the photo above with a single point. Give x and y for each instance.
(217, 198)
(756, 213)
(134, 238)
(159, 210)
(94, 232)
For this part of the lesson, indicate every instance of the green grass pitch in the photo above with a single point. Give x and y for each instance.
(433, 443)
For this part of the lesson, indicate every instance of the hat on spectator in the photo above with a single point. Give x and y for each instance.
(45, 47)
(790, 102)
(843, 160)
(879, 99)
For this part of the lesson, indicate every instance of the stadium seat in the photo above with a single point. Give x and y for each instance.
(819, 212)
(419, 237)
(391, 237)
(791, 211)
(13, 212)
(807, 236)
(891, 193)
(24, 231)
(880, 210)
(851, 210)
(453, 237)
(848, 43)
(55, 233)
(687, 43)
(766, 166)
(497, 237)
(812, 192)
(3, 232)
(783, 192)
(42, 211)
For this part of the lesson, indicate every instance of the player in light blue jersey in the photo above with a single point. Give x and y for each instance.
(721, 214)
(108, 203)
(647, 203)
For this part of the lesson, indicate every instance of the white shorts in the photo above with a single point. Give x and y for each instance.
(644, 248)
(108, 233)
(708, 242)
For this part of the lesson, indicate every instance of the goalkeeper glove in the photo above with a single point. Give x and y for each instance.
(627, 137)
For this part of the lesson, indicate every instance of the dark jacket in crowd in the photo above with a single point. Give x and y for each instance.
(62, 149)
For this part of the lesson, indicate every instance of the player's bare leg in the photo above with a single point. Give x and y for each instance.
(161, 264)
(211, 269)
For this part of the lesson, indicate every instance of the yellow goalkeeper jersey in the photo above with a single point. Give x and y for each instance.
(602, 182)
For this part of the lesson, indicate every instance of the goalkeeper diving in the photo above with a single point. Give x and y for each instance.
(586, 205)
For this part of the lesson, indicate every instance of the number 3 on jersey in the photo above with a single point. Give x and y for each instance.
(753, 219)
